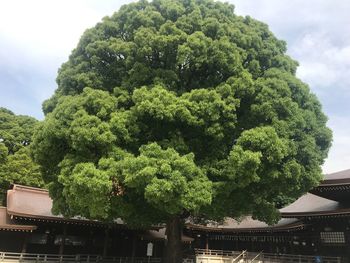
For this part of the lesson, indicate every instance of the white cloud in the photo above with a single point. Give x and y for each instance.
(323, 64)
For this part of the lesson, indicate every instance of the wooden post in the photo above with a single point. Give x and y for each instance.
(105, 245)
(133, 251)
(63, 240)
(24, 244)
(207, 243)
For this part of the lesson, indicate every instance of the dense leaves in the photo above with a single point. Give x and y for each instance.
(16, 164)
(3, 153)
(20, 168)
(180, 108)
(16, 131)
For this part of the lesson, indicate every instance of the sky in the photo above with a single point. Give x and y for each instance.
(37, 36)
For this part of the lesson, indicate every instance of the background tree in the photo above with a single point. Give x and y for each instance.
(16, 164)
(3, 153)
(175, 109)
(16, 131)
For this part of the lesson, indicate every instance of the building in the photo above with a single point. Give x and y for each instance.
(27, 225)
(318, 223)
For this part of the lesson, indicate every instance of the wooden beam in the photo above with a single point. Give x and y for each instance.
(134, 245)
(105, 244)
(63, 240)
(25, 241)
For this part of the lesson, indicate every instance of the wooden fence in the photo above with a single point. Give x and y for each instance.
(54, 258)
(202, 256)
(209, 256)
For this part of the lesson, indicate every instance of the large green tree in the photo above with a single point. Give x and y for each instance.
(170, 110)
(16, 164)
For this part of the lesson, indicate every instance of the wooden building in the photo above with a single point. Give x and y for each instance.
(318, 223)
(27, 225)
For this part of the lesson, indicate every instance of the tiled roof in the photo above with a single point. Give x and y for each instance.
(7, 224)
(248, 224)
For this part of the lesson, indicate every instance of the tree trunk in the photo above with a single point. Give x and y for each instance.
(173, 252)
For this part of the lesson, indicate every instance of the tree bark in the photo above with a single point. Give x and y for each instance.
(173, 251)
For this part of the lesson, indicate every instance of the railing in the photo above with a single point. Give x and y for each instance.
(299, 258)
(257, 257)
(212, 252)
(237, 256)
(54, 258)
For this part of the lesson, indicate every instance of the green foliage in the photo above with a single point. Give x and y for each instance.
(3, 153)
(16, 164)
(178, 108)
(19, 168)
(16, 131)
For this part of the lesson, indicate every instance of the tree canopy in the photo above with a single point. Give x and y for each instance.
(16, 131)
(16, 164)
(170, 109)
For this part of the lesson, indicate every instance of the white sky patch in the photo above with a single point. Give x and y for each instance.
(339, 155)
(44, 26)
(50, 28)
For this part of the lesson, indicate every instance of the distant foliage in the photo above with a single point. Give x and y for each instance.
(16, 164)
(179, 108)
(16, 131)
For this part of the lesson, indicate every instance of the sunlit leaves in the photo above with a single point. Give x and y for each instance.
(3, 153)
(18, 168)
(96, 186)
(15, 130)
(167, 179)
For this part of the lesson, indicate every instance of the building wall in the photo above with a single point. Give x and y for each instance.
(79, 239)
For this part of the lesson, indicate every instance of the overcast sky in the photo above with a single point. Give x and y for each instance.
(37, 36)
